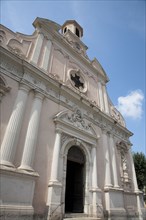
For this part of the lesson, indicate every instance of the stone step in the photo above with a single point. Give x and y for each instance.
(82, 218)
(79, 216)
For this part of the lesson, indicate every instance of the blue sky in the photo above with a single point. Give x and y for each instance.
(115, 33)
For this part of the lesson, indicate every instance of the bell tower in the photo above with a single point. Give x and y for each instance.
(74, 27)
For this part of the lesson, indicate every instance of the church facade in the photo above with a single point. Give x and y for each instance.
(65, 149)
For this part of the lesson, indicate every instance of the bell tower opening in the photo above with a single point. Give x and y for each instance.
(73, 27)
(75, 181)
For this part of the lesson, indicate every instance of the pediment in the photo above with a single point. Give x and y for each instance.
(75, 119)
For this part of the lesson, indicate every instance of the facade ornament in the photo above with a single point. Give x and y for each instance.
(77, 119)
(123, 150)
(3, 37)
(117, 116)
(64, 137)
(11, 67)
(3, 88)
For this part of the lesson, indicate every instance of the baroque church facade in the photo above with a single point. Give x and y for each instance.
(65, 149)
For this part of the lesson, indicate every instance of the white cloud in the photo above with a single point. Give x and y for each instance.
(131, 105)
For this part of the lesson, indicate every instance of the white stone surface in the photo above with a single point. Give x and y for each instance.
(31, 136)
(10, 140)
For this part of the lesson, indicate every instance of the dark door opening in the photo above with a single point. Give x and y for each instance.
(74, 197)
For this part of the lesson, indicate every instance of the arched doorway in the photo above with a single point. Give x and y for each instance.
(75, 179)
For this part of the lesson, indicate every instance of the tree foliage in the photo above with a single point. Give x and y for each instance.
(140, 169)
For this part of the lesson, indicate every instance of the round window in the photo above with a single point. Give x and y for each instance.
(77, 80)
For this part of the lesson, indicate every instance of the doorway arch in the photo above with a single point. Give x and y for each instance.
(75, 180)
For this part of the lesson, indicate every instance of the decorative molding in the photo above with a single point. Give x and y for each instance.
(76, 126)
(64, 137)
(3, 88)
(117, 116)
(11, 67)
(3, 37)
(77, 119)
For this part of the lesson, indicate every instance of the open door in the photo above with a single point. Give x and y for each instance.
(74, 197)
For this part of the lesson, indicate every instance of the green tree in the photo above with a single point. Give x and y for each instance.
(140, 169)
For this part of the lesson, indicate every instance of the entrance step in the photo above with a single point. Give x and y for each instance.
(82, 218)
(79, 216)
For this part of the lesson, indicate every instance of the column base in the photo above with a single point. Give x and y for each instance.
(96, 208)
(26, 168)
(54, 200)
(108, 186)
(6, 163)
(14, 212)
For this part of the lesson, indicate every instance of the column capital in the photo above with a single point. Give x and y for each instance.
(59, 131)
(39, 95)
(24, 87)
(111, 134)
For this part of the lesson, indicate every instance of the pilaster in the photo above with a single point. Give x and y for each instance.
(101, 104)
(114, 164)
(37, 48)
(105, 99)
(54, 186)
(96, 192)
(108, 183)
(55, 160)
(46, 54)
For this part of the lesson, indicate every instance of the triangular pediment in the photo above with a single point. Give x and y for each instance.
(75, 119)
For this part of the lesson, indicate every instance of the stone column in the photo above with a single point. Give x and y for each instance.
(108, 183)
(94, 181)
(55, 159)
(54, 186)
(100, 96)
(114, 164)
(32, 132)
(94, 171)
(9, 144)
(105, 99)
